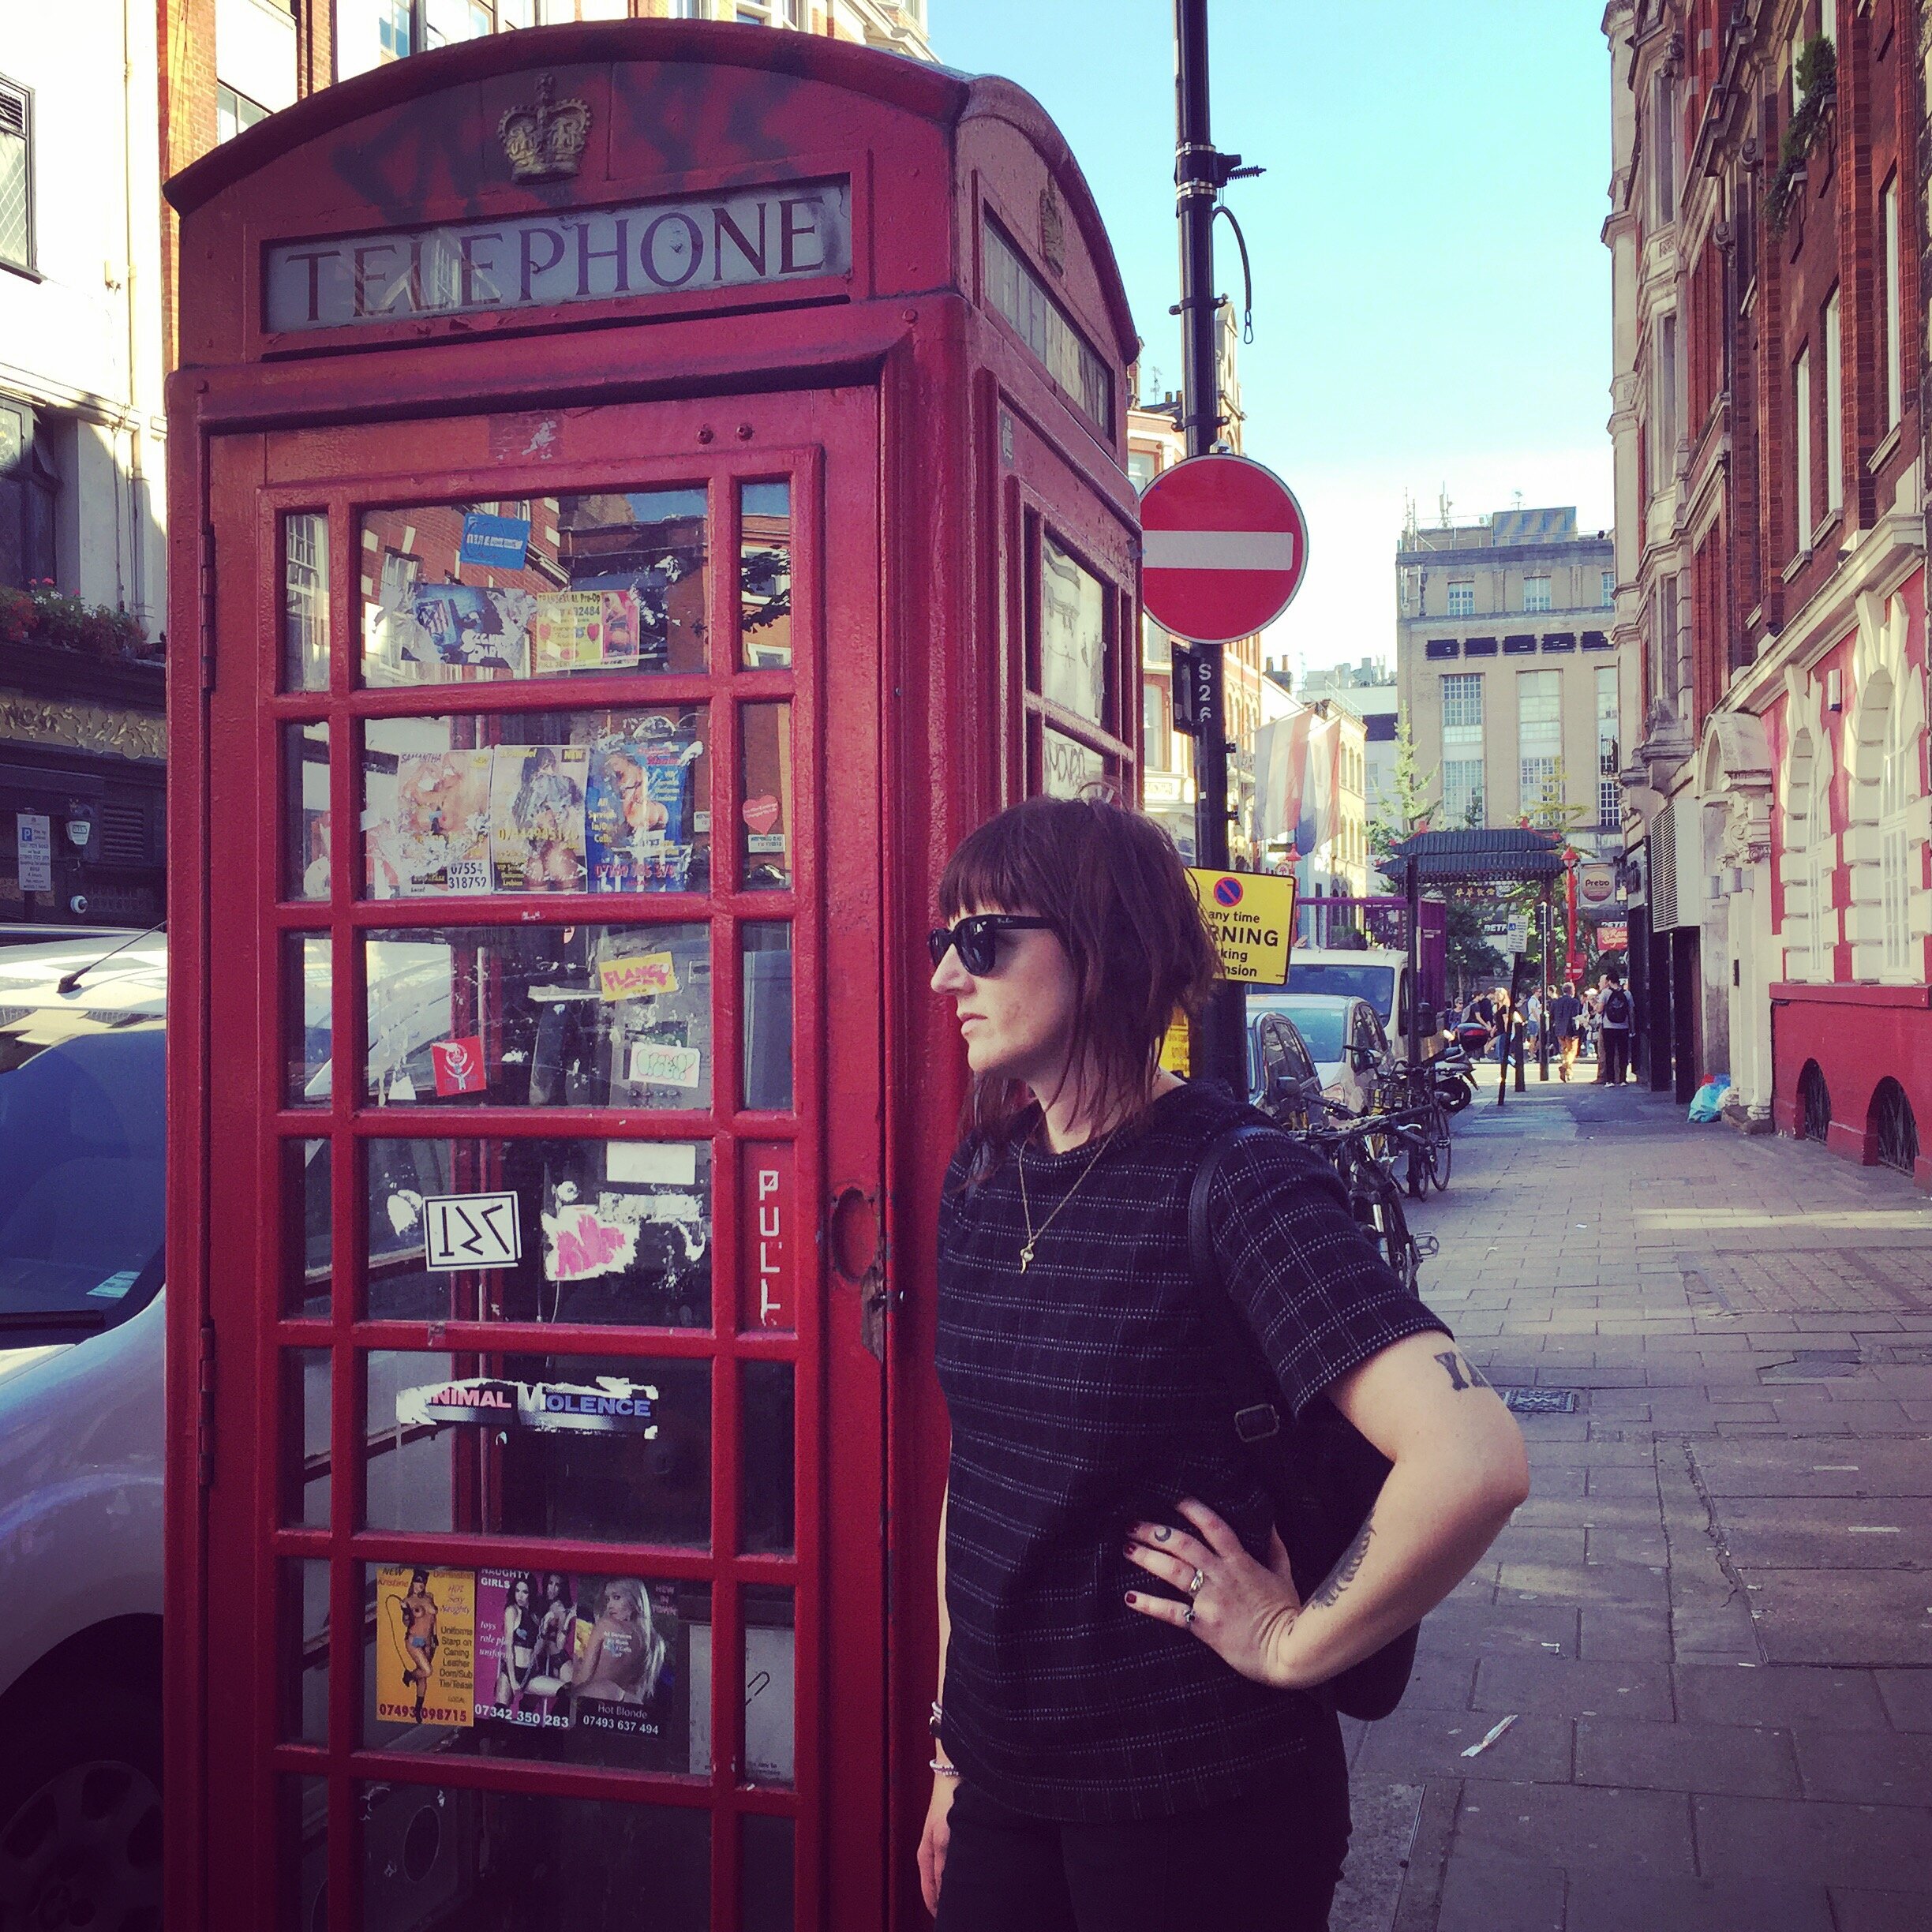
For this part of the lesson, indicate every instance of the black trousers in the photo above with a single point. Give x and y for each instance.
(1614, 1047)
(1268, 1863)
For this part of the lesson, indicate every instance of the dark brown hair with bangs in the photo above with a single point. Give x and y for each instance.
(1114, 888)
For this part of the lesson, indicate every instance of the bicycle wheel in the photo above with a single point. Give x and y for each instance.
(1442, 1149)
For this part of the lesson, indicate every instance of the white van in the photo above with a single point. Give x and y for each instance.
(1380, 975)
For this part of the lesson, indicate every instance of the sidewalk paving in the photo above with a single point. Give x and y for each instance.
(1712, 1620)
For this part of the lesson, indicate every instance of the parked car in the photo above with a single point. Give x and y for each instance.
(1343, 1038)
(82, 1145)
(1281, 1073)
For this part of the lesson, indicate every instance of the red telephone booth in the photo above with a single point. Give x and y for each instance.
(642, 492)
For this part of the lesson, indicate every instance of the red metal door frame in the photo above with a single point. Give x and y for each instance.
(826, 442)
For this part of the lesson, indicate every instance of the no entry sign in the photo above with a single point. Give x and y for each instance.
(1224, 545)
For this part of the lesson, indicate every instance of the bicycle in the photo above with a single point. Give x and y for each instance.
(1367, 1172)
(1411, 1095)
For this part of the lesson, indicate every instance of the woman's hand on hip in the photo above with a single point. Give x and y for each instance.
(1242, 1610)
(934, 1840)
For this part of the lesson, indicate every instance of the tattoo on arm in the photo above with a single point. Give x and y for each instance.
(1346, 1571)
(1458, 1367)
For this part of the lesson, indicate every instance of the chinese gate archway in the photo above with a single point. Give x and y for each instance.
(640, 493)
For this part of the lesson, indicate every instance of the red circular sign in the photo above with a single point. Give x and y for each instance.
(1223, 548)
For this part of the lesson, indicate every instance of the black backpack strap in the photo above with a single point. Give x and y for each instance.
(1258, 1418)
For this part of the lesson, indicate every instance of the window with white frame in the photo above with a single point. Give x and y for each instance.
(1801, 442)
(1536, 594)
(1463, 747)
(1667, 398)
(17, 180)
(1539, 738)
(1664, 149)
(1462, 596)
(1609, 793)
(1895, 799)
(1607, 596)
(1834, 409)
(234, 112)
(1828, 22)
(1821, 853)
(1893, 311)
(447, 22)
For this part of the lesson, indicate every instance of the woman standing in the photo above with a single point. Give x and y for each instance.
(1129, 1731)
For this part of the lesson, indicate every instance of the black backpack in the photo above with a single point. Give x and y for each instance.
(1322, 1474)
(1617, 1007)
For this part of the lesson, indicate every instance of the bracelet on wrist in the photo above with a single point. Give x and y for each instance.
(943, 1770)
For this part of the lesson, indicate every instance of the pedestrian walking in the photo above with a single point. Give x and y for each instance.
(1130, 1725)
(1566, 1021)
(1614, 1013)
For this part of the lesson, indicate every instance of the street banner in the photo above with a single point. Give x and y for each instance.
(1252, 917)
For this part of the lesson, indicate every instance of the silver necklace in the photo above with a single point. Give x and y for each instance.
(1034, 1234)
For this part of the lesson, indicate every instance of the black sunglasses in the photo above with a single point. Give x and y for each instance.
(977, 939)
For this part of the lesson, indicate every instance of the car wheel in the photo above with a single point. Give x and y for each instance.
(80, 1815)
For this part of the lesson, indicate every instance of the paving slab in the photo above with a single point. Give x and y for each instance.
(1857, 1767)
(1813, 1842)
(1568, 1687)
(1781, 1697)
(1615, 1903)
(1482, 1894)
(1858, 1910)
(1746, 1760)
(1583, 1828)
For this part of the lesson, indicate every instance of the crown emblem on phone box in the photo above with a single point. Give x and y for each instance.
(547, 140)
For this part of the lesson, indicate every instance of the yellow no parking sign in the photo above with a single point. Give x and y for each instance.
(1252, 916)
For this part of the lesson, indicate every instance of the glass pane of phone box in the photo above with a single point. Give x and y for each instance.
(616, 1232)
(438, 1858)
(576, 1446)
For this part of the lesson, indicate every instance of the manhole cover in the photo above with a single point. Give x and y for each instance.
(1811, 1365)
(1540, 1401)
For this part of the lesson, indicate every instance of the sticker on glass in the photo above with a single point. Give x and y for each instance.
(425, 1644)
(536, 817)
(458, 1065)
(437, 837)
(471, 1231)
(655, 1064)
(637, 809)
(467, 625)
(585, 631)
(495, 542)
(636, 974)
(608, 1407)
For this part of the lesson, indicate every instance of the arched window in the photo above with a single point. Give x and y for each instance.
(1895, 796)
(1821, 916)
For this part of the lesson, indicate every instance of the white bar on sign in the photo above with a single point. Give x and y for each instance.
(664, 1163)
(1219, 550)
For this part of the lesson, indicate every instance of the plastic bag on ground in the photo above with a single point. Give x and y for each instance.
(1708, 1102)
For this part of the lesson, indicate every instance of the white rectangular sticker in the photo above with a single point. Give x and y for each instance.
(34, 837)
(667, 1163)
(654, 1063)
(470, 1231)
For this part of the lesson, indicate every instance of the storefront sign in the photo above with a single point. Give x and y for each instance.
(82, 727)
(1252, 916)
(1595, 883)
(1613, 938)
(34, 834)
(790, 231)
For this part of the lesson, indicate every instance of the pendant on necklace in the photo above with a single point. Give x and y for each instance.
(1026, 1257)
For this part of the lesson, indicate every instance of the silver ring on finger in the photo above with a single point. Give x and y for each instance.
(1187, 1616)
(1194, 1588)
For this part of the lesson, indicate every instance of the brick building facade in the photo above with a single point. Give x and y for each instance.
(1767, 234)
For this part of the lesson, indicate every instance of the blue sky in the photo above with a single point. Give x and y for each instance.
(1431, 296)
